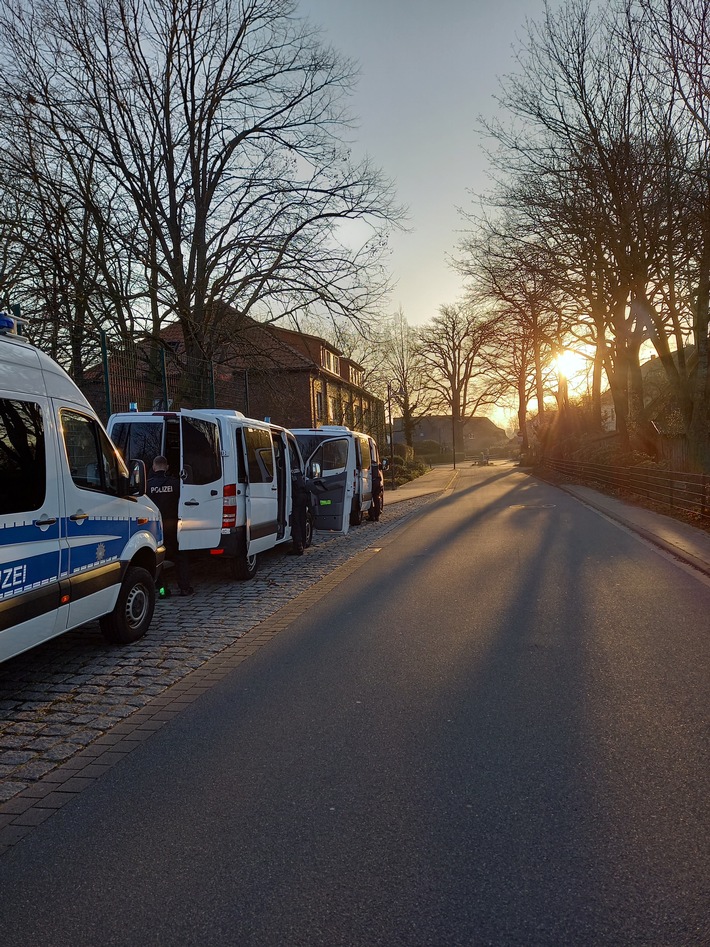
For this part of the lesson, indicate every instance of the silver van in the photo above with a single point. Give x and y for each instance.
(345, 457)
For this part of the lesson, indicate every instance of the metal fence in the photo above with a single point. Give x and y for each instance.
(673, 489)
(156, 379)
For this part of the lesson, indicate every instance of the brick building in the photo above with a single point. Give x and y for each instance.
(295, 379)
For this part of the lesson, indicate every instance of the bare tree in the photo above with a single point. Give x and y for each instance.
(404, 373)
(581, 175)
(679, 36)
(222, 122)
(597, 166)
(12, 252)
(454, 349)
(517, 276)
(79, 271)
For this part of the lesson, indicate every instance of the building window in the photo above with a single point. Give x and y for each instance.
(331, 362)
(319, 406)
(333, 411)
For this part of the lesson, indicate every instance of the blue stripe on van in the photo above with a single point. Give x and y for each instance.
(32, 558)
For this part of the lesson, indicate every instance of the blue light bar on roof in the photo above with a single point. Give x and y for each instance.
(12, 325)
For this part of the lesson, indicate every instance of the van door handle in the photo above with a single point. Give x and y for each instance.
(192, 503)
(274, 489)
(45, 521)
(79, 517)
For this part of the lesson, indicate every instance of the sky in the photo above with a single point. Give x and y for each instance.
(428, 70)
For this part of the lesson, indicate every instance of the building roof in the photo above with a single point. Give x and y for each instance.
(268, 348)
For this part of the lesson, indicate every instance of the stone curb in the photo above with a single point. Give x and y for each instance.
(650, 536)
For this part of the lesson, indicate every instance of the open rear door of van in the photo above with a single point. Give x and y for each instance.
(331, 465)
(202, 487)
(262, 490)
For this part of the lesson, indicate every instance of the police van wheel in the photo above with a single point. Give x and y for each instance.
(244, 566)
(131, 617)
(309, 531)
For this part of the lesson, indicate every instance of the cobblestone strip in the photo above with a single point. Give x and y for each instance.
(29, 805)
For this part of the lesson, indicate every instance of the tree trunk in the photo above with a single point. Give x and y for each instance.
(698, 427)
(539, 387)
(523, 409)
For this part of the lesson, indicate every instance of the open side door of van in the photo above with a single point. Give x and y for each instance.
(202, 486)
(330, 465)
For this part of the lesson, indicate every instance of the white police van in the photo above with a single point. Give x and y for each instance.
(345, 461)
(78, 540)
(235, 472)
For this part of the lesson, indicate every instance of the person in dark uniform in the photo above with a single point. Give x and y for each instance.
(164, 491)
(377, 488)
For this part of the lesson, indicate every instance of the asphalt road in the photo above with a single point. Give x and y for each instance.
(494, 732)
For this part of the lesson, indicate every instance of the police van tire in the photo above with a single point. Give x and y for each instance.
(244, 566)
(309, 531)
(132, 615)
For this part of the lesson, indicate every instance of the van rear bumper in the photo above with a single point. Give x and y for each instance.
(232, 544)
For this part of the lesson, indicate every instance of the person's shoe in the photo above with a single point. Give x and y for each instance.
(187, 591)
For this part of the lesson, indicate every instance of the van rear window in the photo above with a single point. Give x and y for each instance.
(23, 468)
(140, 440)
(201, 452)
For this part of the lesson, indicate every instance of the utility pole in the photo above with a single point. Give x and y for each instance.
(389, 412)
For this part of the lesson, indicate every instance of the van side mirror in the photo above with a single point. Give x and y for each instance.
(315, 470)
(136, 483)
(137, 478)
